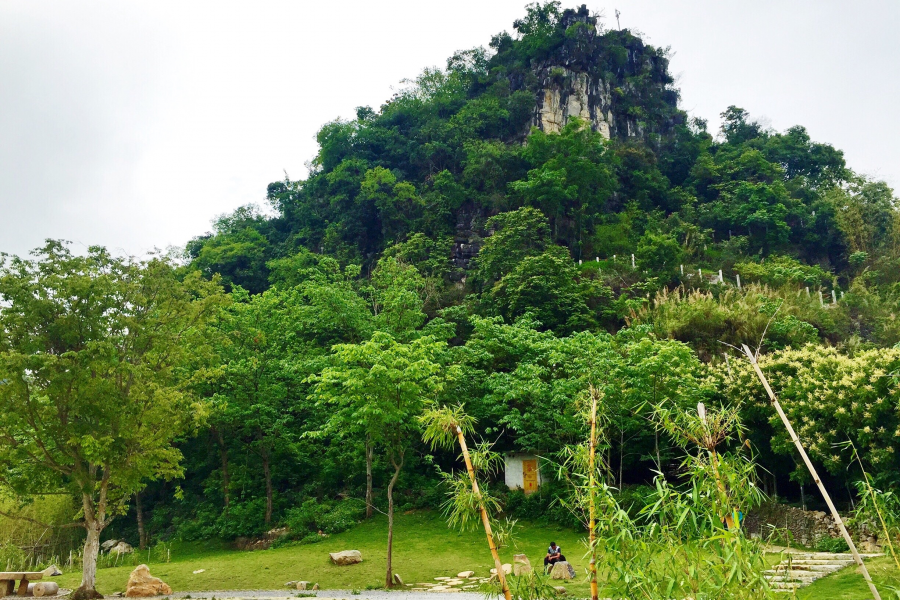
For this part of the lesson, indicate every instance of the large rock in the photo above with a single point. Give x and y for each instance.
(346, 557)
(507, 569)
(121, 548)
(521, 565)
(465, 574)
(108, 544)
(302, 585)
(51, 571)
(142, 585)
(562, 570)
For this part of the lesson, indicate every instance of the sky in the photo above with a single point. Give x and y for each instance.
(133, 124)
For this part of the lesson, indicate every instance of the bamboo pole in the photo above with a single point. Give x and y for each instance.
(501, 576)
(592, 488)
(812, 471)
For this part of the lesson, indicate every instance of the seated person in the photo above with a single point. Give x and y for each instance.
(554, 555)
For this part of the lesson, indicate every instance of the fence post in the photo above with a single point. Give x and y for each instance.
(833, 297)
(721, 280)
(632, 261)
(821, 302)
(682, 270)
(738, 280)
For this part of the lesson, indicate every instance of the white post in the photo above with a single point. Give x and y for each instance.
(700, 273)
(597, 259)
(821, 302)
(682, 270)
(738, 281)
(721, 280)
(842, 295)
(579, 261)
(632, 261)
(833, 297)
(614, 258)
(807, 291)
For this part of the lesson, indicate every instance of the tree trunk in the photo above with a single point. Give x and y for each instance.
(223, 459)
(87, 591)
(370, 454)
(142, 532)
(389, 579)
(267, 472)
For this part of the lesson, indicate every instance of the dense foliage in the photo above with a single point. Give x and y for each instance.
(445, 248)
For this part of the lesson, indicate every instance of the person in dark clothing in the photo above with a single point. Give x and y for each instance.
(554, 555)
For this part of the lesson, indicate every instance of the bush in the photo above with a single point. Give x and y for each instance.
(830, 544)
(328, 516)
(12, 558)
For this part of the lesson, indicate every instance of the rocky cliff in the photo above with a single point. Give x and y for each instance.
(611, 80)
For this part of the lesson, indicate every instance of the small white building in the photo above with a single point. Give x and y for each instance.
(523, 472)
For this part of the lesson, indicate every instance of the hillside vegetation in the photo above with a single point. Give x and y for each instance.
(536, 217)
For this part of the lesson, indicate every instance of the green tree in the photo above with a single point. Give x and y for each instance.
(95, 355)
(378, 389)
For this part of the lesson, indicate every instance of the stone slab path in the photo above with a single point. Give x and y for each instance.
(800, 569)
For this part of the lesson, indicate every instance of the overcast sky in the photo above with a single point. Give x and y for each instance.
(133, 124)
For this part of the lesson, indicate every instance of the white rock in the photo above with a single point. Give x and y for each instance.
(465, 574)
(121, 548)
(346, 557)
(562, 570)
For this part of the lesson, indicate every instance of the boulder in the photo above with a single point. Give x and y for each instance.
(291, 584)
(108, 544)
(121, 548)
(562, 570)
(302, 585)
(465, 574)
(141, 584)
(560, 590)
(346, 557)
(521, 565)
(507, 569)
(315, 587)
(51, 571)
(397, 579)
(45, 588)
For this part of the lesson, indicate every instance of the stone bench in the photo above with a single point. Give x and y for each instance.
(10, 580)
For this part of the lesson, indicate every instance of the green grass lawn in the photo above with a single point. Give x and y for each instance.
(424, 548)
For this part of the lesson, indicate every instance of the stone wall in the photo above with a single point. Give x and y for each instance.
(808, 527)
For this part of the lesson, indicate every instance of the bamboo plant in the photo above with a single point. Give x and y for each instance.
(444, 427)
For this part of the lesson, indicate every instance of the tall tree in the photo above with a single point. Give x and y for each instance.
(379, 388)
(93, 357)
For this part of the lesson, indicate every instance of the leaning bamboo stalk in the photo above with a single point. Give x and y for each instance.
(812, 471)
(501, 576)
(592, 490)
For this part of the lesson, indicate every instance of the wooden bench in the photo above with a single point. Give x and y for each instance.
(10, 580)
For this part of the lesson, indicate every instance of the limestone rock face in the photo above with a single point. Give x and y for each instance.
(567, 94)
(141, 584)
(562, 570)
(346, 557)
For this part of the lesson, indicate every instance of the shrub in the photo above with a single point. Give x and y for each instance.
(830, 544)
(327, 516)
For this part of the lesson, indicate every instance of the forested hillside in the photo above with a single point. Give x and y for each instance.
(537, 216)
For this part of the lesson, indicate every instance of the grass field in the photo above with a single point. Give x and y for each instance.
(424, 548)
